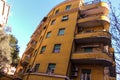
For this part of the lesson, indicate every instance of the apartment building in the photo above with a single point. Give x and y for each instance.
(71, 43)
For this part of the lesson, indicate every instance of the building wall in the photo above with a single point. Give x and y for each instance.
(38, 77)
(62, 58)
(4, 11)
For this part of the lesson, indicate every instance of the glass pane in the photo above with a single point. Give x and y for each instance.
(57, 48)
(61, 31)
(57, 11)
(64, 18)
(68, 7)
(36, 67)
(53, 22)
(88, 49)
(43, 49)
(85, 74)
(51, 68)
(48, 34)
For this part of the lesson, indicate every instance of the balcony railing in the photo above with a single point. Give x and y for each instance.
(92, 58)
(94, 34)
(32, 43)
(95, 9)
(95, 20)
(29, 50)
(93, 2)
(25, 60)
(92, 37)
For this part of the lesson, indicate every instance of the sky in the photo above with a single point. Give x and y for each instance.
(25, 16)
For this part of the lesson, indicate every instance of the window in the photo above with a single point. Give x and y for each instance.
(33, 42)
(88, 49)
(51, 68)
(74, 72)
(57, 11)
(83, 15)
(35, 53)
(56, 48)
(43, 49)
(53, 22)
(64, 18)
(44, 27)
(86, 74)
(80, 29)
(48, 34)
(28, 69)
(36, 67)
(61, 31)
(68, 7)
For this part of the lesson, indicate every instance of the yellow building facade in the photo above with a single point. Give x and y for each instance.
(71, 43)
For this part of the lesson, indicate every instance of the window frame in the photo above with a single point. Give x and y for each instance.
(68, 7)
(85, 74)
(53, 22)
(55, 49)
(57, 11)
(51, 68)
(36, 67)
(42, 49)
(61, 32)
(33, 42)
(48, 34)
(65, 18)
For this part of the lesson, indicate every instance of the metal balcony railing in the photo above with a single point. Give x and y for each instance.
(92, 2)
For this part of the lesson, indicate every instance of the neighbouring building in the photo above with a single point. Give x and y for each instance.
(71, 43)
(4, 11)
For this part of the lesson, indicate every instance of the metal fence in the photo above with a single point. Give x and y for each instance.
(92, 2)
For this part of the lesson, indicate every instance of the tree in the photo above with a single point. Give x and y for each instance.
(5, 49)
(14, 50)
(9, 51)
(115, 32)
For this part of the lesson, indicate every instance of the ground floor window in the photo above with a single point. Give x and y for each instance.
(86, 74)
(51, 68)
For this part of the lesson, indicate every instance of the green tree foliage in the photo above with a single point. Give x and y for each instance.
(9, 51)
(14, 50)
(5, 50)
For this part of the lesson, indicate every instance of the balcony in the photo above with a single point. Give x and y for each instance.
(29, 50)
(92, 58)
(25, 60)
(93, 37)
(32, 43)
(95, 8)
(95, 20)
